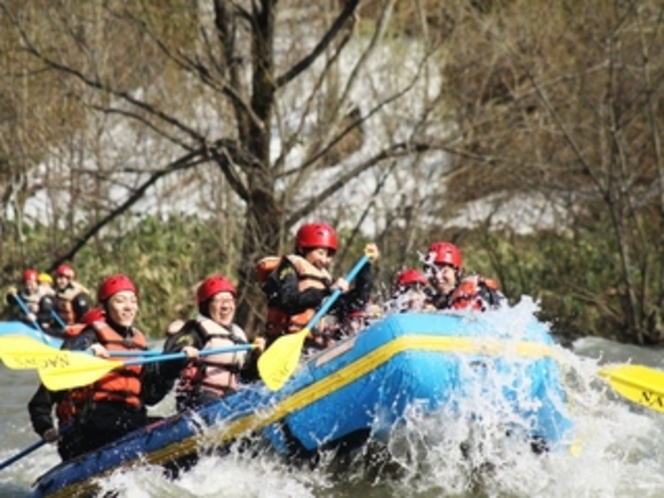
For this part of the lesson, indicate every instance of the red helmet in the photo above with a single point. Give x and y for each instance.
(30, 274)
(314, 235)
(356, 314)
(96, 314)
(65, 271)
(445, 253)
(214, 285)
(410, 277)
(114, 284)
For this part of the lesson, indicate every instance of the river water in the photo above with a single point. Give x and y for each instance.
(618, 452)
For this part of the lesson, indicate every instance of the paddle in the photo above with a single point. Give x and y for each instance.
(64, 369)
(637, 383)
(26, 312)
(18, 349)
(61, 323)
(23, 453)
(34, 446)
(280, 360)
(77, 369)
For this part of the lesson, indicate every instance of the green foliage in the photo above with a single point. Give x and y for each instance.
(573, 274)
(165, 257)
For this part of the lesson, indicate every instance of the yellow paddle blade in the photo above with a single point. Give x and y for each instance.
(58, 369)
(280, 360)
(83, 371)
(638, 384)
(20, 352)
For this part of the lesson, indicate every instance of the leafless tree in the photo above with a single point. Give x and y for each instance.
(290, 113)
(566, 103)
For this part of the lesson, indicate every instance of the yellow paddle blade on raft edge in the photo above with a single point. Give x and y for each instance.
(58, 369)
(637, 383)
(281, 359)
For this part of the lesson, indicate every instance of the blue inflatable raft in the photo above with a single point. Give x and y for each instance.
(20, 328)
(360, 388)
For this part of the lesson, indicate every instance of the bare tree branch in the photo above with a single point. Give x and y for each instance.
(347, 13)
(191, 160)
(395, 151)
(96, 84)
(194, 66)
(291, 141)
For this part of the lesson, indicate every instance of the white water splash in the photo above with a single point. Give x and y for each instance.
(450, 454)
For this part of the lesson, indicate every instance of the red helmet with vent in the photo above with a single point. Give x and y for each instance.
(214, 285)
(65, 271)
(445, 253)
(410, 277)
(114, 284)
(30, 274)
(315, 235)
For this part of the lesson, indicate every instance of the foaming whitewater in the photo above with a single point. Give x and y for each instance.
(469, 448)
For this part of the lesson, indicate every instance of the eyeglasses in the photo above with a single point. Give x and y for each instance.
(223, 301)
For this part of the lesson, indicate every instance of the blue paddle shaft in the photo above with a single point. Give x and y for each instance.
(25, 310)
(34, 446)
(134, 354)
(181, 356)
(333, 297)
(58, 319)
(23, 453)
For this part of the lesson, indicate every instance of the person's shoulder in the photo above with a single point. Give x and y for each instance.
(78, 288)
(266, 267)
(288, 265)
(291, 260)
(175, 326)
(188, 335)
(82, 340)
(487, 282)
(238, 332)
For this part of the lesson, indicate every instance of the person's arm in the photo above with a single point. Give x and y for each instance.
(358, 296)
(187, 336)
(249, 369)
(40, 409)
(157, 379)
(155, 385)
(490, 293)
(12, 298)
(282, 290)
(82, 341)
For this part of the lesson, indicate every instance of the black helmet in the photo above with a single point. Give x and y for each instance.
(81, 304)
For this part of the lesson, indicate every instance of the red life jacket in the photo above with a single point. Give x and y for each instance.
(65, 410)
(216, 373)
(309, 276)
(467, 293)
(74, 330)
(119, 385)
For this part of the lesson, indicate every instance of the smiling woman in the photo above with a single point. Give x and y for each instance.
(115, 401)
(203, 378)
